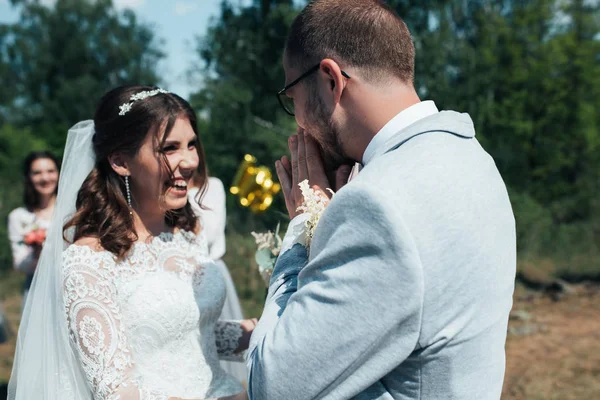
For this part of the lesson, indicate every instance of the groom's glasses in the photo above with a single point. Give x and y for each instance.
(288, 103)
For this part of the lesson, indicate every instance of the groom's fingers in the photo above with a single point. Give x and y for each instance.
(302, 167)
(293, 145)
(285, 161)
(314, 162)
(285, 177)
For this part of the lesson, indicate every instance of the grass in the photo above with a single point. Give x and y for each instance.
(10, 288)
(250, 286)
(538, 271)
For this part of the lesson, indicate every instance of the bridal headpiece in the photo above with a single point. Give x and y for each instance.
(126, 107)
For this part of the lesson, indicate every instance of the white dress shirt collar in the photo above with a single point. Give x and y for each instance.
(402, 120)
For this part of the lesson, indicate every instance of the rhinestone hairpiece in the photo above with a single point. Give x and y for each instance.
(126, 107)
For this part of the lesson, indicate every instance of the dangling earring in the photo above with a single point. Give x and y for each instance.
(128, 193)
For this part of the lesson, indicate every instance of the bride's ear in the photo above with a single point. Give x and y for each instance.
(118, 163)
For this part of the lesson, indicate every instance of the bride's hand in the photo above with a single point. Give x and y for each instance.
(240, 396)
(247, 329)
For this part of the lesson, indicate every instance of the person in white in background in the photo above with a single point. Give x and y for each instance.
(213, 215)
(27, 224)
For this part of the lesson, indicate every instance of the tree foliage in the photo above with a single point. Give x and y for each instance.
(528, 73)
(60, 60)
(55, 64)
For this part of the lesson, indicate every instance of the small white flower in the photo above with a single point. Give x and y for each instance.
(314, 205)
(263, 240)
(125, 108)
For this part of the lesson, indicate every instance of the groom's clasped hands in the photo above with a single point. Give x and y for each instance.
(307, 164)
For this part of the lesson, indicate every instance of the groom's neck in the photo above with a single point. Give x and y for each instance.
(370, 109)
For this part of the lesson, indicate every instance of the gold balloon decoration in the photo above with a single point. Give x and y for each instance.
(254, 185)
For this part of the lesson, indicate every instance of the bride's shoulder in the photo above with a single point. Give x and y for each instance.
(91, 242)
(196, 239)
(86, 250)
(85, 260)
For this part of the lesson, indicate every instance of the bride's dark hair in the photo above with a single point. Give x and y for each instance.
(102, 209)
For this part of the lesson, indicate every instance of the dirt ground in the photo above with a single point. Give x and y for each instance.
(553, 347)
(553, 351)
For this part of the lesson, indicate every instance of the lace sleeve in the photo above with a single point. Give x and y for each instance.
(95, 327)
(228, 335)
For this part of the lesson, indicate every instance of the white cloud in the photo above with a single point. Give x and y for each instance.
(48, 3)
(184, 8)
(120, 4)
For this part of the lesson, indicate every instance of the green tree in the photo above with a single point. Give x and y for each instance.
(527, 72)
(55, 64)
(61, 59)
(241, 64)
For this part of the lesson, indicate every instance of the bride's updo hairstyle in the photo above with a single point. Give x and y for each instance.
(102, 209)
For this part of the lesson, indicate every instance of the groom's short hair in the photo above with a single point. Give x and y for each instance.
(366, 34)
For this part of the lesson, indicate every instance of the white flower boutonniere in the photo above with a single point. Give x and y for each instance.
(313, 205)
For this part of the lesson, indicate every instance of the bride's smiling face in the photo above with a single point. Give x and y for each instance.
(161, 172)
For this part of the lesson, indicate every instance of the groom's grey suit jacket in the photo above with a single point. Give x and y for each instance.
(408, 286)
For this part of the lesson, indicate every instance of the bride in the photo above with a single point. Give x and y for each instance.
(129, 310)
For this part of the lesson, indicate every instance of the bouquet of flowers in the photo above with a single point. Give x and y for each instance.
(269, 245)
(36, 236)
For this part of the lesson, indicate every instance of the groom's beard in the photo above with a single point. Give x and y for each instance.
(322, 128)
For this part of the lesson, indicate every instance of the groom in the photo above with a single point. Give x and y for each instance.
(404, 291)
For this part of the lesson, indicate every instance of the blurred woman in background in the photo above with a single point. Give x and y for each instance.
(27, 225)
(213, 217)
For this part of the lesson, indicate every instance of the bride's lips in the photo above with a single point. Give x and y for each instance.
(178, 186)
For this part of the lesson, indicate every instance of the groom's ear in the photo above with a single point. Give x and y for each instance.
(118, 163)
(331, 71)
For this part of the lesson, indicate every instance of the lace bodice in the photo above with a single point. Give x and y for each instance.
(146, 327)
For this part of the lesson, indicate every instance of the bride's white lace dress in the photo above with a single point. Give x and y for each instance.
(146, 327)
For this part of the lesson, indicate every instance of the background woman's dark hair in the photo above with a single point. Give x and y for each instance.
(31, 197)
(102, 209)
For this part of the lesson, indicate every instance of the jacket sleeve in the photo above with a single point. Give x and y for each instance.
(348, 316)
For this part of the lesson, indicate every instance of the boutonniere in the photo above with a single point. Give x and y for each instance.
(313, 205)
(269, 243)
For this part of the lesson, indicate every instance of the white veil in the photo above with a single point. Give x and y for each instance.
(45, 367)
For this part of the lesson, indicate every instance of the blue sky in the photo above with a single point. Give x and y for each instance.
(178, 22)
